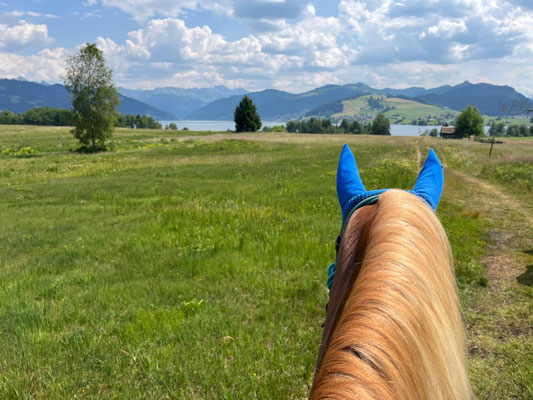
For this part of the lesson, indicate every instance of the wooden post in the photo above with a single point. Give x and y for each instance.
(491, 144)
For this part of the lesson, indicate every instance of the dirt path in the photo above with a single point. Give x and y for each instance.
(500, 264)
(499, 260)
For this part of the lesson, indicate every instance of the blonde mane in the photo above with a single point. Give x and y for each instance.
(400, 334)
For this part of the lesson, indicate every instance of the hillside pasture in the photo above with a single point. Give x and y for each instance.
(407, 109)
(193, 265)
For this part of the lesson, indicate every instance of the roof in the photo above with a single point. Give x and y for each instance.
(450, 130)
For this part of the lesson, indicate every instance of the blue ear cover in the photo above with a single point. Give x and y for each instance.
(351, 191)
(349, 182)
(430, 180)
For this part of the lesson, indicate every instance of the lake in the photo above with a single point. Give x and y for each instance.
(223, 126)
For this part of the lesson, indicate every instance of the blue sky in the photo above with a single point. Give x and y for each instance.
(292, 45)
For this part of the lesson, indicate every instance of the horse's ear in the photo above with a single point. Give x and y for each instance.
(349, 182)
(430, 180)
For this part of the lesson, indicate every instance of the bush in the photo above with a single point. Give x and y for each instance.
(23, 152)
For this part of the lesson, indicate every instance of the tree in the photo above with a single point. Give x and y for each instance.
(512, 130)
(356, 128)
(246, 117)
(434, 132)
(497, 129)
(344, 125)
(94, 96)
(523, 130)
(469, 122)
(380, 125)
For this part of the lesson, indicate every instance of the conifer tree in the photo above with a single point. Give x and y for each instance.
(380, 125)
(246, 117)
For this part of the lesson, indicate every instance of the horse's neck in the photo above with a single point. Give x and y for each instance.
(351, 255)
(393, 327)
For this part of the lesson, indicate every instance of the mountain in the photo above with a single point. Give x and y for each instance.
(19, 96)
(415, 91)
(278, 105)
(181, 102)
(489, 99)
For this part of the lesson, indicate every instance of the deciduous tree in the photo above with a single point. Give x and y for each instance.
(94, 96)
(469, 122)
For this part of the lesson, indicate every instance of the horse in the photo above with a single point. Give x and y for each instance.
(393, 326)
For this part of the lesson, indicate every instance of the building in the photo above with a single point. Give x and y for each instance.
(448, 132)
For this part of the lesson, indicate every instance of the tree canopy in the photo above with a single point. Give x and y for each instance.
(380, 125)
(94, 96)
(469, 122)
(246, 117)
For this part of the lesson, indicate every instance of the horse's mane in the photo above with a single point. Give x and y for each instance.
(400, 333)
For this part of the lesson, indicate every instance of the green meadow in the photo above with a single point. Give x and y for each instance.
(190, 265)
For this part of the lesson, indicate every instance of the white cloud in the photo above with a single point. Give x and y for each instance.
(170, 52)
(143, 10)
(22, 35)
(379, 42)
(19, 13)
(372, 41)
(446, 28)
(47, 64)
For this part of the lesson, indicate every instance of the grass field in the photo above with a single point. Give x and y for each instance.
(192, 265)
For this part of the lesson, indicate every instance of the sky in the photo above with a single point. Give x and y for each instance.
(291, 45)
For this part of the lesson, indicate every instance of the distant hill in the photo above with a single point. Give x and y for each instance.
(399, 108)
(181, 102)
(19, 96)
(278, 105)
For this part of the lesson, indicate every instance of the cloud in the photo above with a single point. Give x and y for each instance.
(23, 34)
(443, 31)
(47, 65)
(143, 10)
(167, 49)
(290, 47)
(271, 9)
(446, 28)
(368, 40)
(19, 13)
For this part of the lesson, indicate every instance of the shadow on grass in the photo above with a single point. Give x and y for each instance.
(527, 277)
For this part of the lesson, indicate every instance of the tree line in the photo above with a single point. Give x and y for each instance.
(50, 116)
(379, 126)
(499, 129)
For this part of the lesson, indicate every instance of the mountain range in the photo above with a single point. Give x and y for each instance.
(218, 103)
(19, 95)
(181, 102)
(278, 105)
